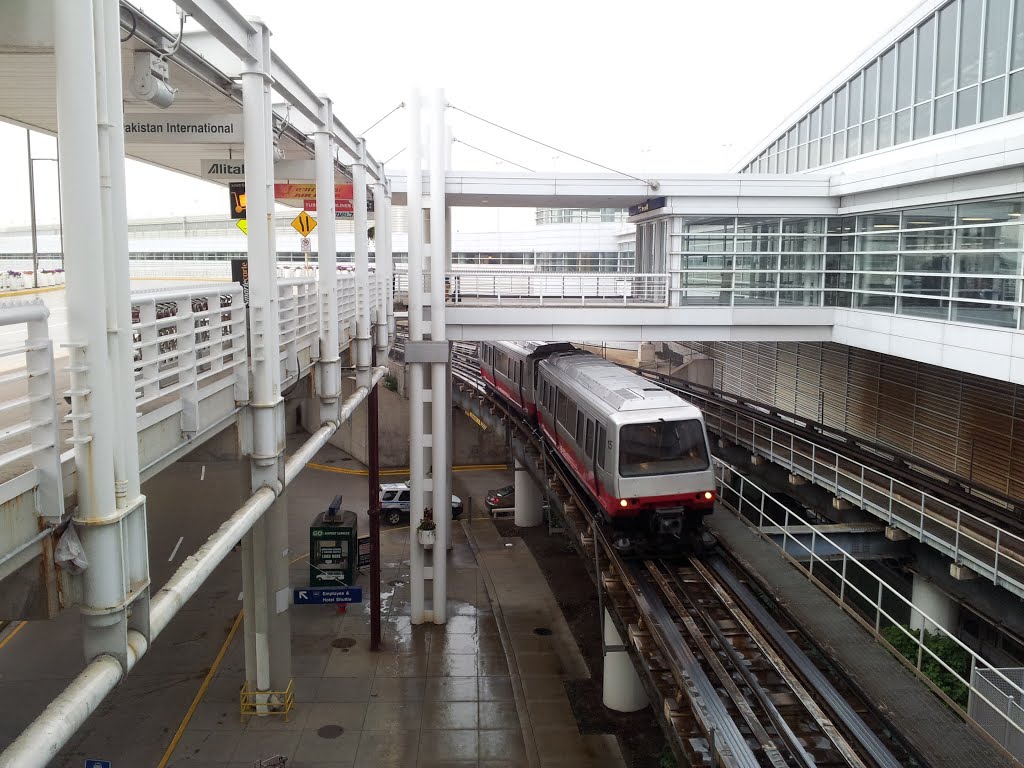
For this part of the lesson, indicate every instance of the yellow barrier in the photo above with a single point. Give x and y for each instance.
(281, 702)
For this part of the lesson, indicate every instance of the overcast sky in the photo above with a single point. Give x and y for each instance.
(663, 85)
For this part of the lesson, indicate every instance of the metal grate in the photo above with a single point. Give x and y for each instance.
(995, 690)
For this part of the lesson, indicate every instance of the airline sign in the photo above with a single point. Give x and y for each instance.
(308, 191)
(223, 169)
(183, 129)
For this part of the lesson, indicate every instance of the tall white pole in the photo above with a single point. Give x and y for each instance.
(387, 254)
(330, 361)
(416, 399)
(440, 409)
(362, 260)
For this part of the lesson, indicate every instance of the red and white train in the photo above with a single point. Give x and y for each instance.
(641, 451)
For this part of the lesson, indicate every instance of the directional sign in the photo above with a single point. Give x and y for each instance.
(236, 189)
(327, 595)
(243, 224)
(97, 763)
(304, 224)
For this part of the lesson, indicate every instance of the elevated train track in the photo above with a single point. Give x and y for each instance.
(729, 685)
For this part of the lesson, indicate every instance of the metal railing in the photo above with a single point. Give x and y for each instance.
(968, 539)
(557, 288)
(29, 434)
(857, 589)
(299, 323)
(184, 338)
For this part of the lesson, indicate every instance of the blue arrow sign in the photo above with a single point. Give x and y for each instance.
(97, 763)
(327, 596)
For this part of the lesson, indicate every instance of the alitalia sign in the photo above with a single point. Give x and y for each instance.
(226, 169)
(223, 169)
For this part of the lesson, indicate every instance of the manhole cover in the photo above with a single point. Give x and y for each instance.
(396, 583)
(344, 643)
(542, 631)
(330, 731)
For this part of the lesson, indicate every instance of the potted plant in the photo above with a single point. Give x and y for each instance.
(426, 530)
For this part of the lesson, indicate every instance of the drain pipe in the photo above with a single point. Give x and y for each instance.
(46, 736)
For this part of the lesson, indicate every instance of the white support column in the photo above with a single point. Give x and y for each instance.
(267, 630)
(327, 281)
(416, 396)
(81, 65)
(439, 377)
(529, 502)
(382, 254)
(385, 252)
(623, 691)
(934, 603)
(362, 263)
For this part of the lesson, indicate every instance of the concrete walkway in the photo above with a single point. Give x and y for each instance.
(482, 690)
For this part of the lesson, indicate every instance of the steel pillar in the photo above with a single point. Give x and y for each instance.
(529, 501)
(265, 547)
(329, 367)
(623, 691)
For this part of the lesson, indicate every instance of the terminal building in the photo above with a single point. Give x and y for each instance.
(845, 306)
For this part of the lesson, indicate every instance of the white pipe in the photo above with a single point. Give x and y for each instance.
(330, 365)
(55, 726)
(13, 313)
(440, 410)
(416, 399)
(389, 267)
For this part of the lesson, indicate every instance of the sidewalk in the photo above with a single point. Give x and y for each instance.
(482, 690)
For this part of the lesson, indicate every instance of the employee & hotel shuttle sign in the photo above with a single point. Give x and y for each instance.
(182, 129)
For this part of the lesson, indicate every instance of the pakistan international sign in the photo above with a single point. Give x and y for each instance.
(182, 129)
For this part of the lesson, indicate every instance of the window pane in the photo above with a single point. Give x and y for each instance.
(868, 137)
(1016, 94)
(926, 262)
(839, 146)
(1017, 55)
(826, 117)
(992, 95)
(815, 123)
(802, 131)
(855, 90)
(990, 212)
(853, 142)
(970, 41)
(988, 263)
(885, 83)
(997, 18)
(840, 105)
(879, 242)
(885, 132)
(943, 114)
(926, 285)
(935, 240)
(874, 302)
(903, 126)
(925, 60)
(947, 48)
(967, 107)
(904, 76)
(922, 120)
(871, 92)
(989, 238)
(812, 155)
(878, 222)
(938, 216)
(662, 447)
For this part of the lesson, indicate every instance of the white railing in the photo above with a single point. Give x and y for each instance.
(968, 539)
(299, 323)
(29, 437)
(184, 338)
(858, 590)
(557, 288)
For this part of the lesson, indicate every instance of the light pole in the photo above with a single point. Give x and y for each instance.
(32, 208)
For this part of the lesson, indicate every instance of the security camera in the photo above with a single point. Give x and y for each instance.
(150, 80)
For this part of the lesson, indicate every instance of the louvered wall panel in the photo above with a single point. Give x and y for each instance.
(968, 425)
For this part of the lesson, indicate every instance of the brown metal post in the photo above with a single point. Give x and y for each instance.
(374, 513)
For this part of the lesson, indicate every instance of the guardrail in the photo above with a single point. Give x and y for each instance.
(877, 606)
(557, 288)
(299, 323)
(968, 539)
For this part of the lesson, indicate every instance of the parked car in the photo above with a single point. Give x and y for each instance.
(394, 503)
(500, 498)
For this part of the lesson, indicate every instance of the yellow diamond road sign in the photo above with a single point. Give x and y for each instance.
(304, 224)
(243, 225)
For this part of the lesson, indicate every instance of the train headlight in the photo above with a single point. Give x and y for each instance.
(709, 495)
(623, 503)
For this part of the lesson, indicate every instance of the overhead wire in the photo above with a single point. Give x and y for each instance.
(649, 182)
(395, 155)
(389, 114)
(491, 154)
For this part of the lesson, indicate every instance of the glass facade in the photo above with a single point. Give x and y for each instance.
(960, 263)
(962, 65)
(582, 215)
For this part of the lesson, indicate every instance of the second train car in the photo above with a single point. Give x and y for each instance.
(641, 451)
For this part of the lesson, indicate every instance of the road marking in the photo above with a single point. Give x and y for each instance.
(175, 550)
(393, 472)
(202, 692)
(202, 475)
(14, 631)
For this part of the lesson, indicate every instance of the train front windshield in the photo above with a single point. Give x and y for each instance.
(662, 448)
